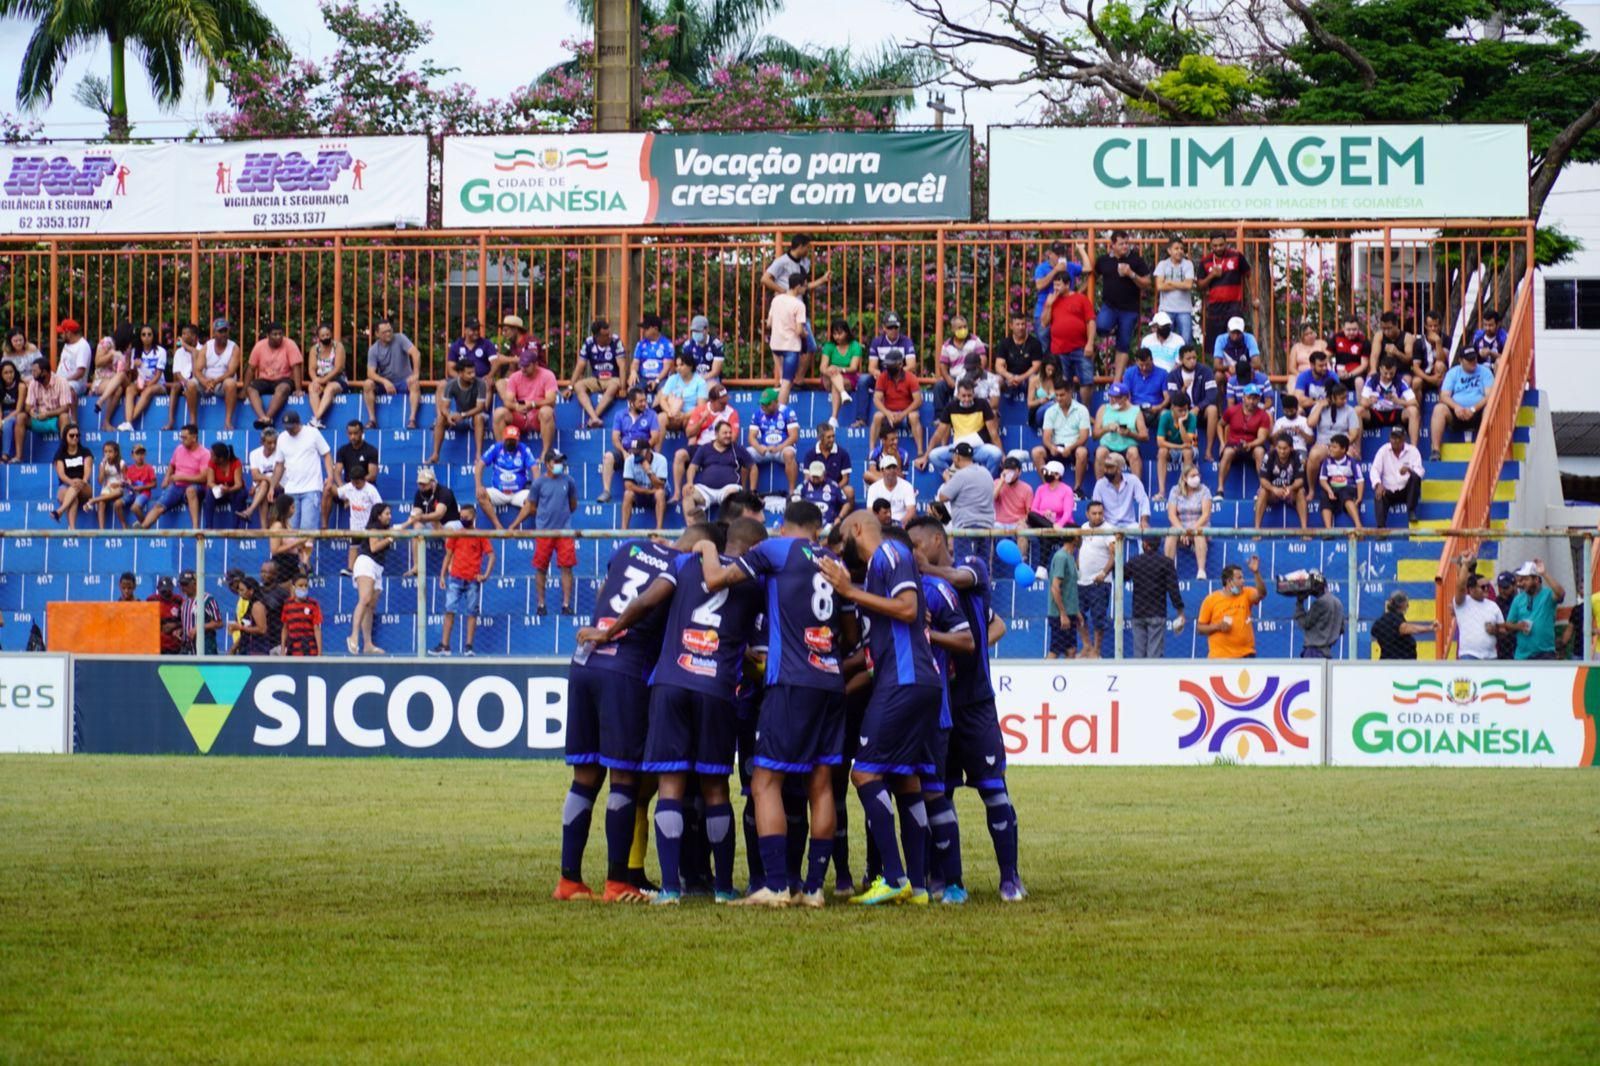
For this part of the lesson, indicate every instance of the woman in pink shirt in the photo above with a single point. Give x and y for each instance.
(786, 325)
(1053, 504)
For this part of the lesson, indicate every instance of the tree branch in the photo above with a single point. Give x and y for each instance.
(1314, 26)
(1555, 158)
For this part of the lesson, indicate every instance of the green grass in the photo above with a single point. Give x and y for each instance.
(188, 909)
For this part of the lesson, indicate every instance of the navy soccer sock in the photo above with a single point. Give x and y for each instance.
(576, 814)
(619, 830)
(945, 857)
(1002, 818)
(719, 834)
(795, 810)
(841, 841)
(695, 851)
(669, 842)
(914, 836)
(772, 862)
(752, 845)
(879, 809)
(821, 852)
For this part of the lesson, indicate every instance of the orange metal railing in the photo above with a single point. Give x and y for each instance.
(1512, 371)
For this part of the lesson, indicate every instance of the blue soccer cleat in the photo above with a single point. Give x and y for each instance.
(666, 899)
(954, 894)
(1012, 891)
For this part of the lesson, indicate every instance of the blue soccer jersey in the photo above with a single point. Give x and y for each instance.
(706, 634)
(509, 468)
(900, 651)
(704, 355)
(802, 612)
(944, 616)
(828, 497)
(654, 360)
(603, 359)
(633, 566)
(970, 681)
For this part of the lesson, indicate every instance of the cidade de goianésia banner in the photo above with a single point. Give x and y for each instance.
(626, 179)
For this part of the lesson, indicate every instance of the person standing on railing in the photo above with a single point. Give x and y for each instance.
(1478, 615)
(1396, 473)
(1154, 581)
(1175, 287)
(1070, 316)
(1533, 612)
(1226, 614)
(1124, 278)
(1461, 398)
(1055, 264)
(787, 332)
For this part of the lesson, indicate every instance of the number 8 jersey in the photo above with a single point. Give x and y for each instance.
(633, 566)
(802, 613)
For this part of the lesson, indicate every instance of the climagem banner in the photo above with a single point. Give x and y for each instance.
(1171, 173)
(621, 179)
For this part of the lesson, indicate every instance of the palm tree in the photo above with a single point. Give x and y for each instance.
(165, 36)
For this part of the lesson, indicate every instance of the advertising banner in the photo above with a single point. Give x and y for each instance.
(239, 186)
(1463, 714)
(1262, 713)
(320, 707)
(619, 179)
(33, 704)
(1161, 173)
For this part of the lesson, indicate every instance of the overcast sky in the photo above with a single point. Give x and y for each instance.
(502, 45)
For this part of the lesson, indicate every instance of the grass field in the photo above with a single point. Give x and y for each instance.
(179, 910)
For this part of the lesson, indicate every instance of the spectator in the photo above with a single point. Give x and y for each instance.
(881, 511)
(368, 579)
(1283, 480)
(1396, 474)
(307, 463)
(1071, 316)
(48, 409)
(705, 348)
(653, 358)
(888, 445)
(328, 379)
(473, 347)
(1175, 289)
(188, 473)
(278, 368)
(111, 484)
(1051, 506)
(1164, 344)
(1189, 513)
(225, 491)
(600, 377)
(897, 399)
(1096, 560)
(644, 474)
(112, 361)
(183, 379)
(1226, 615)
(985, 383)
(266, 471)
(555, 497)
(1013, 498)
(1018, 358)
(1396, 638)
(1312, 385)
(289, 553)
(1124, 278)
(1201, 388)
(1064, 619)
(634, 423)
(774, 437)
(1177, 431)
(1489, 337)
(819, 490)
(1335, 418)
(355, 451)
(700, 426)
(434, 507)
(1479, 619)
(1147, 386)
(1302, 353)
(1055, 265)
(468, 562)
(512, 470)
(1430, 370)
(681, 393)
(75, 363)
(1462, 398)
(791, 273)
(20, 351)
(170, 606)
(1532, 617)
(514, 340)
(219, 370)
(966, 420)
(831, 454)
(952, 361)
(1295, 425)
(1395, 343)
(301, 622)
(199, 614)
(1339, 477)
(1154, 581)
(528, 400)
(1386, 399)
(249, 632)
(1223, 273)
(715, 470)
(1126, 502)
(786, 333)
(12, 392)
(394, 366)
(1505, 594)
(138, 483)
(892, 339)
(360, 496)
(127, 588)
(1119, 427)
(463, 400)
(843, 361)
(74, 466)
(1066, 435)
(1243, 429)
(1320, 616)
(891, 488)
(1236, 345)
(1352, 352)
(968, 491)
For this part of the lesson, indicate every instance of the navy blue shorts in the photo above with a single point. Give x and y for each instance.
(897, 730)
(747, 707)
(855, 709)
(607, 718)
(690, 730)
(801, 728)
(1109, 319)
(939, 749)
(977, 750)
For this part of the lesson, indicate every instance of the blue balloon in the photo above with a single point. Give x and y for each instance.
(1025, 574)
(1008, 552)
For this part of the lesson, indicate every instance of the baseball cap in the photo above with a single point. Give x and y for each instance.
(1161, 318)
(185, 578)
(1235, 323)
(69, 325)
(817, 469)
(556, 456)
(1469, 352)
(512, 432)
(164, 583)
(699, 322)
(512, 321)
(1054, 467)
(1117, 389)
(1252, 390)
(1527, 569)
(964, 450)
(891, 319)
(894, 357)
(1505, 578)
(641, 443)
(887, 461)
(425, 475)
(650, 322)
(1397, 431)
(472, 323)
(717, 392)
(769, 395)
(220, 324)
(291, 418)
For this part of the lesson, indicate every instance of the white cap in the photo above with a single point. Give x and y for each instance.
(1161, 318)
(887, 461)
(1053, 467)
(817, 469)
(1235, 323)
(1527, 569)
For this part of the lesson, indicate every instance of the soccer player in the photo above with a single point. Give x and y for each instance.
(693, 721)
(950, 635)
(896, 728)
(801, 724)
(608, 715)
(977, 755)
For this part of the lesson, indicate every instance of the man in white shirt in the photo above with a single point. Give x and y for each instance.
(76, 363)
(1396, 476)
(1163, 341)
(897, 490)
(266, 472)
(303, 474)
(360, 496)
(1096, 560)
(1477, 614)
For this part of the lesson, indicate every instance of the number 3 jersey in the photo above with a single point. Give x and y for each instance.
(633, 566)
(802, 613)
(707, 632)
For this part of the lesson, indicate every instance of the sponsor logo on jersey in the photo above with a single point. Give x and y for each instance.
(827, 666)
(819, 638)
(701, 641)
(694, 664)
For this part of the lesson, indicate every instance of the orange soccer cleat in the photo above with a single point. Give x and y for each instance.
(622, 892)
(569, 890)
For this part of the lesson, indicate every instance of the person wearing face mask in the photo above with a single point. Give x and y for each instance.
(1051, 507)
(1012, 496)
(958, 345)
(301, 634)
(1226, 615)
(705, 348)
(1164, 341)
(554, 497)
(327, 374)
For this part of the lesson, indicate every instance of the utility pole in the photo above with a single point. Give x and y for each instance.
(939, 108)
(616, 109)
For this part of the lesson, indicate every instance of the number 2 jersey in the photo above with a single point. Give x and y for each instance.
(633, 566)
(901, 654)
(706, 633)
(944, 616)
(802, 613)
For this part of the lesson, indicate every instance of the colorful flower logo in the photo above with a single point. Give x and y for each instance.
(1263, 719)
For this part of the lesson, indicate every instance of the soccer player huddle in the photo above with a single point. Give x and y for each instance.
(863, 661)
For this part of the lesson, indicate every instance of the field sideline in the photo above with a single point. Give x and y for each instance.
(188, 909)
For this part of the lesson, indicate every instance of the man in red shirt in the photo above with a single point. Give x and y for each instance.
(898, 399)
(1244, 427)
(528, 399)
(1070, 315)
(171, 605)
(1352, 352)
(1223, 271)
(468, 561)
